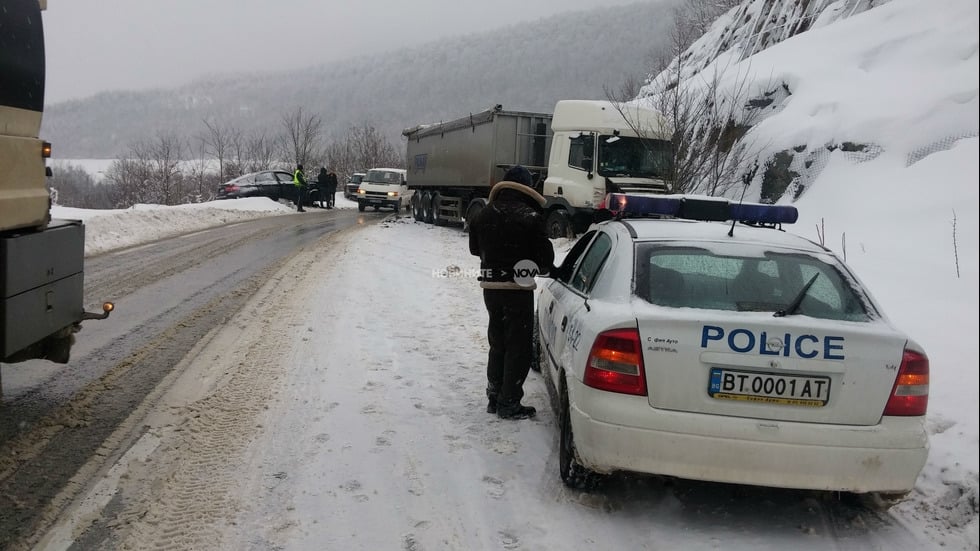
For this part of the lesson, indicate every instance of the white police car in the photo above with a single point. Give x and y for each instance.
(727, 352)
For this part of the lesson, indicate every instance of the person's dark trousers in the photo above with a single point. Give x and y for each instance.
(300, 196)
(509, 334)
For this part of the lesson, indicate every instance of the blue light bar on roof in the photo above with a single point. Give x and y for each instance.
(699, 207)
(757, 213)
(644, 205)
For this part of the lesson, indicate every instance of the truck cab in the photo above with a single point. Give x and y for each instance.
(41, 260)
(384, 187)
(600, 148)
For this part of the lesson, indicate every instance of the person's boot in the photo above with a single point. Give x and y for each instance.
(491, 404)
(515, 411)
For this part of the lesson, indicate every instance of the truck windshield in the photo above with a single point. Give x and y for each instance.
(634, 157)
(383, 177)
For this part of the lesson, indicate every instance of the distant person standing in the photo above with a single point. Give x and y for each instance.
(322, 184)
(299, 180)
(331, 189)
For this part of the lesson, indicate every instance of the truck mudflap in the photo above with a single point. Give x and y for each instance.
(41, 292)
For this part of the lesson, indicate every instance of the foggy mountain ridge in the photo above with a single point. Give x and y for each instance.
(528, 66)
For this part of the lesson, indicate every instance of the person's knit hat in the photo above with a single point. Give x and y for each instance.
(519, 174)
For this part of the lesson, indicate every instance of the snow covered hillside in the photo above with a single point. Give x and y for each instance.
(870, 112)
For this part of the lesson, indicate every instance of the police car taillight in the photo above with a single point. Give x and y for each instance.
(910, 395)
(615, 363)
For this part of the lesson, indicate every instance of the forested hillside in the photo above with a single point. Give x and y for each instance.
(527, 66)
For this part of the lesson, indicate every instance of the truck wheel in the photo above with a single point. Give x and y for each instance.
(559, 224)
(426, 203)
(360, 206)
(416, 209)
(436, 219)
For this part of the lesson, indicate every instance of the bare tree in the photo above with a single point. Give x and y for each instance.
(693, 18)
(128, 178)
(150, 173)
(300, 140)
(362, 148)
(166, 152)
(258, 152)
(219, 139)
(198, 173)
(72, 186)
(710, 116)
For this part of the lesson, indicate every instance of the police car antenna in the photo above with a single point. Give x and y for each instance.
(746, 180)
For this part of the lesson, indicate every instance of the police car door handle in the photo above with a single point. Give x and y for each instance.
(564, 322)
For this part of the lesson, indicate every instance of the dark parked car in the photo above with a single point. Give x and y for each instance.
(350, 188)
(274, 184)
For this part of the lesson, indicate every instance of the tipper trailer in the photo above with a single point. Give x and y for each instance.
(577, 155)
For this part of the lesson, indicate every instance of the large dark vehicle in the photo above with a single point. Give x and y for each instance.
(353, 182)
(274, 184)
(41, 260)
(577, 155)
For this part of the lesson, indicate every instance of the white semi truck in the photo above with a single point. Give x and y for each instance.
(577, 155)
(41, 260)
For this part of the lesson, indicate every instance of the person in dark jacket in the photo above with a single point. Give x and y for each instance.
(511, 239)
(331, 188)
(321, 184)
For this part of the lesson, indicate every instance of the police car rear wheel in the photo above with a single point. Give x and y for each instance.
(535, 347)
(572, 473)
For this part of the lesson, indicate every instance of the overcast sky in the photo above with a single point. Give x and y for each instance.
(98, 45)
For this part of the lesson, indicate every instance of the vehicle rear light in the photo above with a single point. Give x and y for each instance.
(231, 188)
(910, 395)
(615, 363)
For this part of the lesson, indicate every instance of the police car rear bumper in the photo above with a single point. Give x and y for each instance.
(623, 433)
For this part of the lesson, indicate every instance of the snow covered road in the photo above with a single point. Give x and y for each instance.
(366, 429)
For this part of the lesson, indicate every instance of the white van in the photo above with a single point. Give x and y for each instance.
(384, 187)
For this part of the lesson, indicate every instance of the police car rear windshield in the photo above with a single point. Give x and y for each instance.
(770, 282)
